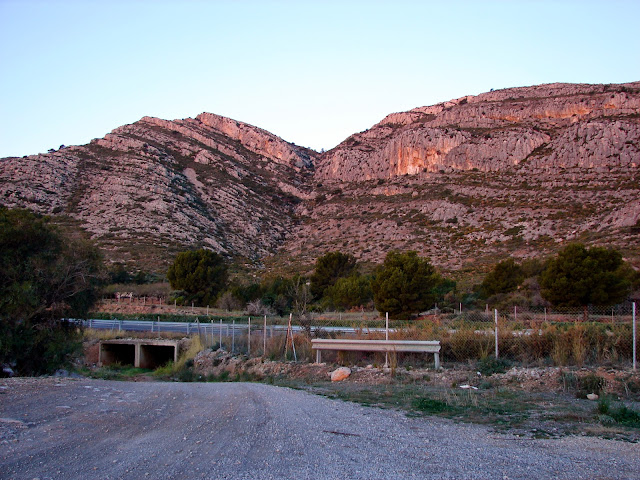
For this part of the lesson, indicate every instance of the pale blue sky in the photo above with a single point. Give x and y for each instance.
(312, 72)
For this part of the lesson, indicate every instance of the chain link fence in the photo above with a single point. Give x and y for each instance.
(531, 337)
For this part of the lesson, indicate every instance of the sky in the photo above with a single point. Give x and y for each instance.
(311, 72)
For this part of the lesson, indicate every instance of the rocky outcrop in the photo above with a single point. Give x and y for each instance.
(555, 126)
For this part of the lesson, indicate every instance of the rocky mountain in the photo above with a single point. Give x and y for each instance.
(154, 187)
(517, 171)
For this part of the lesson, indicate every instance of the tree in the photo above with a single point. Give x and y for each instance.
(349, 292)
(579, 277)
(404, 284)
(201, 274)
(46, 277)
(505, 277)
(329, 268)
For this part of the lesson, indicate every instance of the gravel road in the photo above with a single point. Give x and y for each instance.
(92, 429)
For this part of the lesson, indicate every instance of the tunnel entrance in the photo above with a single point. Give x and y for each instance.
(139, 353)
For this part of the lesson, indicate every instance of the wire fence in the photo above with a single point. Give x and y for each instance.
(533, 336)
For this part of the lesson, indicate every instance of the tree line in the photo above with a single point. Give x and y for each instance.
(405, 284)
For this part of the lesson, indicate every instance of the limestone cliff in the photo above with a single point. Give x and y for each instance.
(549, 126)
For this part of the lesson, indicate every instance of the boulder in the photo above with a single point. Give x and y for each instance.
(340, 374)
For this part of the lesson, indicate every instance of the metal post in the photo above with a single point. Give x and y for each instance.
(386, 336)
(495, 316)
(515, 313)
(212, 333)
(635, 337)
(545, 314)
(151, 326)
(207, 310)
(188, 325)
(249, 339)
(233, 336)
(264, 337)
(191, 307)
(460, 308)
(119, 325)
(220, 334)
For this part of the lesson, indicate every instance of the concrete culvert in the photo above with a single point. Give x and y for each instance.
(139, 353)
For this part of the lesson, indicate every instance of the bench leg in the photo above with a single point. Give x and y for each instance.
(437, 360)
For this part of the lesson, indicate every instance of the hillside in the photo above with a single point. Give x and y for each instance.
(154, 187)
(517, 171)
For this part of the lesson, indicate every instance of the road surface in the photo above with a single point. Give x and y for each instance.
(91, 429)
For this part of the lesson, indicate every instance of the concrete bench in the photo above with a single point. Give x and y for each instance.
(342, 344)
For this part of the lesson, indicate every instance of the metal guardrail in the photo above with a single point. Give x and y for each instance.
(208, 328)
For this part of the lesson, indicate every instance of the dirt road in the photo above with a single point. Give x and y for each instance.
(92, 429)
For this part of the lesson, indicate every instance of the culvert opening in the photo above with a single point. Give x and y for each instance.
(154, 356)
(122, 353)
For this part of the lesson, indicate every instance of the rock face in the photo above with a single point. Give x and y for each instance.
(466, 183)
(154, 187)
(549, 126)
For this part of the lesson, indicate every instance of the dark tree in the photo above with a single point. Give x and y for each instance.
(349, 292)
(579, 277)
(45, 278)
(404, 284)
(505, 277)
(329, 268)
(201, 274)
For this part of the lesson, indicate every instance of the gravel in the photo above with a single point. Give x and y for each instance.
(91, 429)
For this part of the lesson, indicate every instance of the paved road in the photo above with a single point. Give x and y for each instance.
(90, 429)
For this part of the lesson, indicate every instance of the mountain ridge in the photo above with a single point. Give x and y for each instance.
(510, 172)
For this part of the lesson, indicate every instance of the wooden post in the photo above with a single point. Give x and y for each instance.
(495, 316)
(264, 338)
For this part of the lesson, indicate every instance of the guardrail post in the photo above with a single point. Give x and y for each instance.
(386, 336)
(220, 334)
(119, 325)
(233, 336)
(249, 339)
(264, 338)
(188, 327)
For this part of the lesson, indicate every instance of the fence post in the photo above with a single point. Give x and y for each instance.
(495, 316)
(249, 339)
(635, 337)
(264, 338)
(220, 334)
(233, 336)
(212, 333)
(386, 336)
